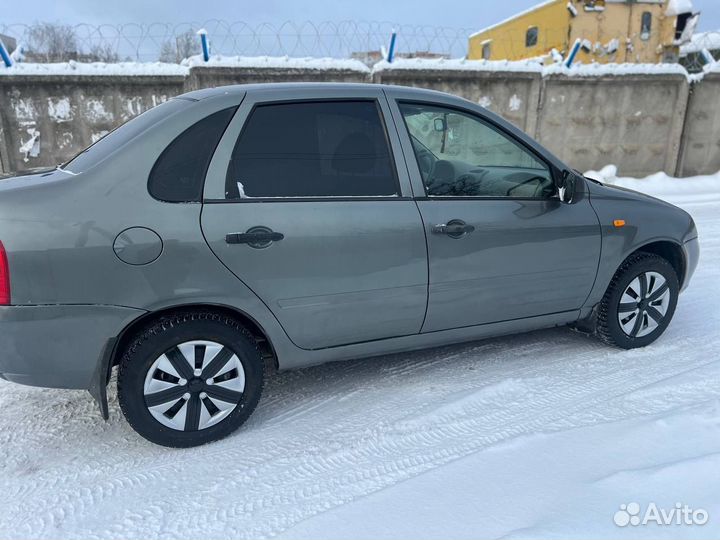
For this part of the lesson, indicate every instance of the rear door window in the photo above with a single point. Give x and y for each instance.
(312, 149)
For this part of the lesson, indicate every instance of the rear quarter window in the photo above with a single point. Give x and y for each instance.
(179, 173)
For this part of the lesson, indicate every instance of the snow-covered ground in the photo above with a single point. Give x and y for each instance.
(544, 434)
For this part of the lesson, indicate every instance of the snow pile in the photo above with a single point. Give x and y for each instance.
(677, 7)
(662, 185)
(459, 64)
(603, 70)
(532, 66)
(700, 41)
(119, 69)
(18, 55)
(713, 68)
(277, 62)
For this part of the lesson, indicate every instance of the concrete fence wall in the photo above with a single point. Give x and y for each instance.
(700, 144)
(45, 120)
(220, 76)
(642, 123)
(634, 122)
(514, 96)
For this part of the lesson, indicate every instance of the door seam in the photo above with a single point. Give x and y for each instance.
(600, 256)
(412, 194)
(427, 261)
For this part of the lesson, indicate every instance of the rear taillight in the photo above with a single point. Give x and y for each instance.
(4, 277)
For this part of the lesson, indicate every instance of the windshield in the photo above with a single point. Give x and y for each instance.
(118, 137)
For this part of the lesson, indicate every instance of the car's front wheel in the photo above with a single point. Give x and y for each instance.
(639, 303)
(190, 378)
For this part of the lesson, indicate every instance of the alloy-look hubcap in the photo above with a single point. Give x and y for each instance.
(194, 385)
(644, 304)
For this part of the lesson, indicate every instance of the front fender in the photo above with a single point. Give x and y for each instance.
(647, 220)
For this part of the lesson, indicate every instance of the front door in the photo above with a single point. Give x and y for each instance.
(501, 244)
(304, 204)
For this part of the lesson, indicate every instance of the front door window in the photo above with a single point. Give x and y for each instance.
(460, 155)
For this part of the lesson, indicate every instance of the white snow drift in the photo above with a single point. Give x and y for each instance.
(535, 65)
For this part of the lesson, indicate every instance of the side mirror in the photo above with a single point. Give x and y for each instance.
(566, 186)
(440, 125)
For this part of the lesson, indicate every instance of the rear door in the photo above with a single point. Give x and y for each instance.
(304, 203)
(501, 244)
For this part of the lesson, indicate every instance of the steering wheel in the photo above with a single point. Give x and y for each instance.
(425, 158)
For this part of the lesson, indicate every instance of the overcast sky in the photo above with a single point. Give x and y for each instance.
(453, 13)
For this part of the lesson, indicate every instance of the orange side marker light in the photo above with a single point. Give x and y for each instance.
(619, 223)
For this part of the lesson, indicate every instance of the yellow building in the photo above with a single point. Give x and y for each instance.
(647, 31)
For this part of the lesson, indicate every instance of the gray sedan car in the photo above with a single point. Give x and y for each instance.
(232, 231)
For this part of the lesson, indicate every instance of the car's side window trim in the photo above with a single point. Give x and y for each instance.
(492, 125)
(398, 196)
(484, 198)
(359, 198)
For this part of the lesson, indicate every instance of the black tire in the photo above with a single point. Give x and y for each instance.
(609, 328)
(162, 336)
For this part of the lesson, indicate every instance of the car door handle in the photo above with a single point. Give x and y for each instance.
(255, 237)
(455, 228)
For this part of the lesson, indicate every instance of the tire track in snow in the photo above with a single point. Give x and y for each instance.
(420, 449)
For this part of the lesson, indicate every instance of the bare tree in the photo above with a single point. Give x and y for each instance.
(183, 46)
(48, 42)
(167, 52)
(103, 53)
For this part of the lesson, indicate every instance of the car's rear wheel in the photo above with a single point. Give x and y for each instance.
(190, 378)
(639, 303)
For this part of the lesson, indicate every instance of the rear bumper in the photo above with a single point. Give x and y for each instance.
(58, 346)
(691, 249)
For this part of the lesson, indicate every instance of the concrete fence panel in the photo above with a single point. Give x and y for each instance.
(634, 121)
(700, 152)
(267, 70)
(638, 119)
(513, 94)
(45, 120)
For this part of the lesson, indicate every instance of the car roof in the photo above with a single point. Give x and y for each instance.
(204, 93)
